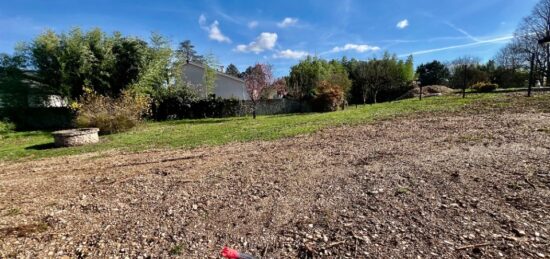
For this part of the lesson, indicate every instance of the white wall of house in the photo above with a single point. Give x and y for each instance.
(226, 86)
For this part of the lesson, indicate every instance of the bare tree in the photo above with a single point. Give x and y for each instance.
(533, 28)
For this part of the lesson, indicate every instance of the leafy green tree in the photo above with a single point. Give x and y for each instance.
(232, 70)
(408, 69)
(128, 62)
(306, 75)
(210, 75)
(157, 67)
(465, 71)
(14, 91)
(107, 64)
(433, 73)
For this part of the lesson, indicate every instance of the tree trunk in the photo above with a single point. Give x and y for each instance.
(547, 68)
(531, 75)
(464, 84)
(420, 96)
(374, 96)
(254, 111)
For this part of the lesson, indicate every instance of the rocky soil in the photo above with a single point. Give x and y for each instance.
(468, 184)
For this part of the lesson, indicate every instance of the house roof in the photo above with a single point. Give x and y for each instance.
(217, 72)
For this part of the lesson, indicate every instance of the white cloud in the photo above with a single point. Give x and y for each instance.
(290, 54)
(403, 24)
(359, 48)
(202, 20)
(253, 24)
(265, 41)
(287, 22)
(465, 33)
(214, 32)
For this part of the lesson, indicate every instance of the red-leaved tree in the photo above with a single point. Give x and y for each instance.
(257, 79)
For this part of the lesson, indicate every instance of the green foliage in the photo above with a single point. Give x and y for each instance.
(210, 75)
(157, 68)
(433, 73)
(110, 115)
(509, 78)
(67, 62)
(6, 127)
(382, 75)
(186, 52)
(14, 91)
(484, 87)
(306, 77)
(408, 69)
(466, 71)
(232, 70)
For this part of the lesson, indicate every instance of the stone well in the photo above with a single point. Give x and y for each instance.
(75, 137)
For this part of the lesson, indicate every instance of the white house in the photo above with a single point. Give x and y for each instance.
(226, 86)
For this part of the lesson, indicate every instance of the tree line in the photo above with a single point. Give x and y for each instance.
(65, 64)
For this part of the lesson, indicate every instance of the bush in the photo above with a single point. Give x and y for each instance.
(484, 87)
(39, 118)
(6, 127)
(110, 115)
(329, 96)
(183, 105)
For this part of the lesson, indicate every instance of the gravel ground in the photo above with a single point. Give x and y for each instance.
(469, 184)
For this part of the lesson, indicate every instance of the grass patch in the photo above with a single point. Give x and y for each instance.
(23, 230)
(176, 250)
(12, 212)
(205, 132)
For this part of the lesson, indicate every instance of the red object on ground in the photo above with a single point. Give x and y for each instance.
(230, 253)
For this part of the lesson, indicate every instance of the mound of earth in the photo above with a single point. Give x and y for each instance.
(427, 91)
(469, 184)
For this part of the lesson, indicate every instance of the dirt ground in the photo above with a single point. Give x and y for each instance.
(468, 184)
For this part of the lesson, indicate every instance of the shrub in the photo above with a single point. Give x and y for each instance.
(6, 127)
(110, 115)
(484, 87)
(329, 96)
(182, 106)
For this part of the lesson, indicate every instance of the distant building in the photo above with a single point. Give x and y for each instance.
(226, 86)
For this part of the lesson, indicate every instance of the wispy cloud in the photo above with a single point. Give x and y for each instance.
(465, 33)
(479, 42)
(214, 32)
(291, 54)
(253, 24)
(265, 41)
(287, 22)
(356, 47)
(403, 24)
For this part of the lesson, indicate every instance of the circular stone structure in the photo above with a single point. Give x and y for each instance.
(75, 137)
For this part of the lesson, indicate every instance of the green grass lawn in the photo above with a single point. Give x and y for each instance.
(194, 133)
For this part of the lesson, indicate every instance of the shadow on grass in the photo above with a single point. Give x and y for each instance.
(41, 146)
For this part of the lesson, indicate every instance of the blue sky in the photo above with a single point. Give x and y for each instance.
(281, 32)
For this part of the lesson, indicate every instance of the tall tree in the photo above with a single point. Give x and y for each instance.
(187, 51)
(258, 78)
(14, 91)
(232, 70)
(433, 73)
(210, 74)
